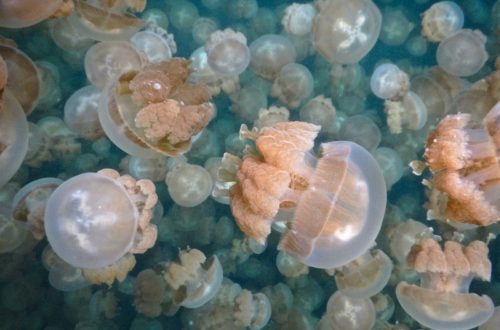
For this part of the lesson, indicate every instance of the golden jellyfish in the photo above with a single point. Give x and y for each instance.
(442, 301)
(463, 156)
(18, 14)
(330, 207)
(155, 111)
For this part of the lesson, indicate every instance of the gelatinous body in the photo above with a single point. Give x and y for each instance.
(19, 14)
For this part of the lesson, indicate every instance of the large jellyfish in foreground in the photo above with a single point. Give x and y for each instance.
(332, 205)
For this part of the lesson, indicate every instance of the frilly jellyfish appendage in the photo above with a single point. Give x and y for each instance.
(344, 32)
(90, 221)
(13, 137)
(103, 24)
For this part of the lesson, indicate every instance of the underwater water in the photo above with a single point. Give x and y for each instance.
(134, 193)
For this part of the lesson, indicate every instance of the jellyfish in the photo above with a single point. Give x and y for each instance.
(344, 32)
(155, 110)
(106, 20)
(13, 137)
(195, 279)
(463, 53)
(182, 15)
(67, 37)
(410, 113)
(389, 82)
(285, 186)
(12, 232)
(155, 42)
(269, 53)
(154, 169)
(227, 52)
(23, 80)
(149, 293)
(298, 19)
(81, 113)
(106, 61)
(293, 84)
(94, 219)
(361, 130)
(391, 164)
(19, 14)
(320, 111)
(189, 185)
(441, 20)
(442, 300)
(463, 157)
(395, 27)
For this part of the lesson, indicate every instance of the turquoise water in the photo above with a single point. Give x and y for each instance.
(27, 300)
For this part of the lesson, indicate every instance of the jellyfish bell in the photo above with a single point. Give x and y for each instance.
(19, 14)
(344, 32)
(227, 52)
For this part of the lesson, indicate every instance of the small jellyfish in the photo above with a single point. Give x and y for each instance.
(81, 113)
(194, 279)
(269, 53)
(227, 52)
(389, 82)
(189, 185)
(67, 37)
(395, 27)
(154, 169)
(298, 19)
(391, 164)
(293, 84)
(348, 313)
(344, 32)
(441, 20)
(410, 112)
(463, 53)
(442, 301)
(106, 61)
(287, 185)
(155, 42)
(463, 157)
(149, 293)
(203, 27)
(12, 232)
(94, 219)
(365, 276)
(182, 15)
(361, 130)
(320, 111)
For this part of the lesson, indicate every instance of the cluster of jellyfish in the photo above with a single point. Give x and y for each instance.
(245, 164)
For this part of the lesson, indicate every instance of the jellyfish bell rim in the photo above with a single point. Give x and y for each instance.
(53, 206)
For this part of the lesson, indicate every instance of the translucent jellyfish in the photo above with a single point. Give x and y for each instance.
(365, 276)
(389, 82)
(153, 16)
(463, 53)
(106, 61)
(93, 219)
(81, 113)
(106, 20)
(347, 313)
(344, 32)
(298, 19)
(293, 84)
(361, 130)
(149, 293)
(464, 159)
(19, 14)
(50, 92)
(23, 79)
(403, 236)
(13, 137)
(227, 52)
(290, 266)
(320, 111)
(286, 187)
(441, 20)
(395, 27)
(203, 27)
(154, 169)
(12, 232)
(155, 111)
(62, 276)
(247, 102)
(242, 9)
(410, 113)
(194, 279)
(417, 46)
(67, 36)
(442, 300)
(269, 53)
(189, 185)
(28, 204)
(391, 164)
(182, 15)
(155, 42)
